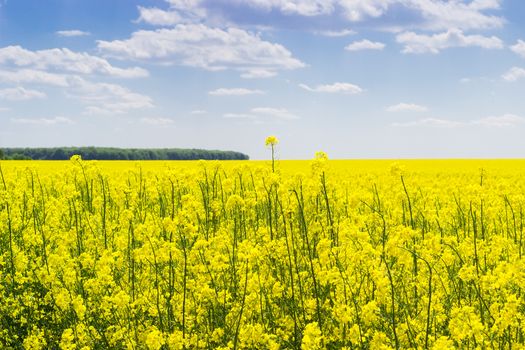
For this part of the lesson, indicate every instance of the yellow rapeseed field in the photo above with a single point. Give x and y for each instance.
(314, 254)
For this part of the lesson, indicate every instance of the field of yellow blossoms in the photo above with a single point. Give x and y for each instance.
(317, 254)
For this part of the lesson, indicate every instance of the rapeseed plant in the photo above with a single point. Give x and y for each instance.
(310, 255)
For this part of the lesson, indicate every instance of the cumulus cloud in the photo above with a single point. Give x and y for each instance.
(351, 9)
(159, 17)
(72, 33)
(422, 43)
(406, 107)
(20, 94)
(519, 48)
(462, 14)
(258, 74)
(513, 74)
(33, 76)
(190, 8)
(63, 68)
(99, 98)
(345, 88)
(432, 14)
(184, 4)
(365, 45)
(105, 98)
(178, 12)
(235, 92)
(359, 10)
(298, 7)
(65, 60)
(197, 45)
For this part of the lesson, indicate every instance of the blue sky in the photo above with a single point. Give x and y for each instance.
(354, 78)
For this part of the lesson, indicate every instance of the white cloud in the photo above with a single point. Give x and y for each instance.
(157, 121)
(179, 12)
(108, 99)
(466, 15)
(235, 92)
(406, 107)
(195, 10)
(336, 33)
(65, 60)
(421, 43)
(20, 94)
(258, 74)
(4, 109)
(365, 45)
(298, 7)
(502, 121)
(519, 48)
(513, 74)
(345, 88)
(43, 121)
(432, 14)
(185, 4)
(429, 14)
(34, 77)
(158, 17)
(72, 33)
(485, 4)
(352, 9)
(197, 45)
(359, 10)
(281, 113)
(60, 68)
(190, 8)
(99, 98)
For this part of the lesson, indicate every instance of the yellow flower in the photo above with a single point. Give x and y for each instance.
(369, 312)
(271, 141)
(68, 340)
(465, 324)
(380, 341)
(154, 339)
(312, 337)
(36, 340)
(75, 158)
(320, 155)
(443, 343)
(79, 307)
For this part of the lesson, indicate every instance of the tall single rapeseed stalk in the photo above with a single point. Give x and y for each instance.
(272, 141)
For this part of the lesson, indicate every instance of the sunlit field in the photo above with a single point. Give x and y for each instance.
(317, 254)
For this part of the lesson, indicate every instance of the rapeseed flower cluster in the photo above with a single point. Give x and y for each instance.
(304, 255)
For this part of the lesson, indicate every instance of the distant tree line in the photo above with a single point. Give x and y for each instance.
(110, 153)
